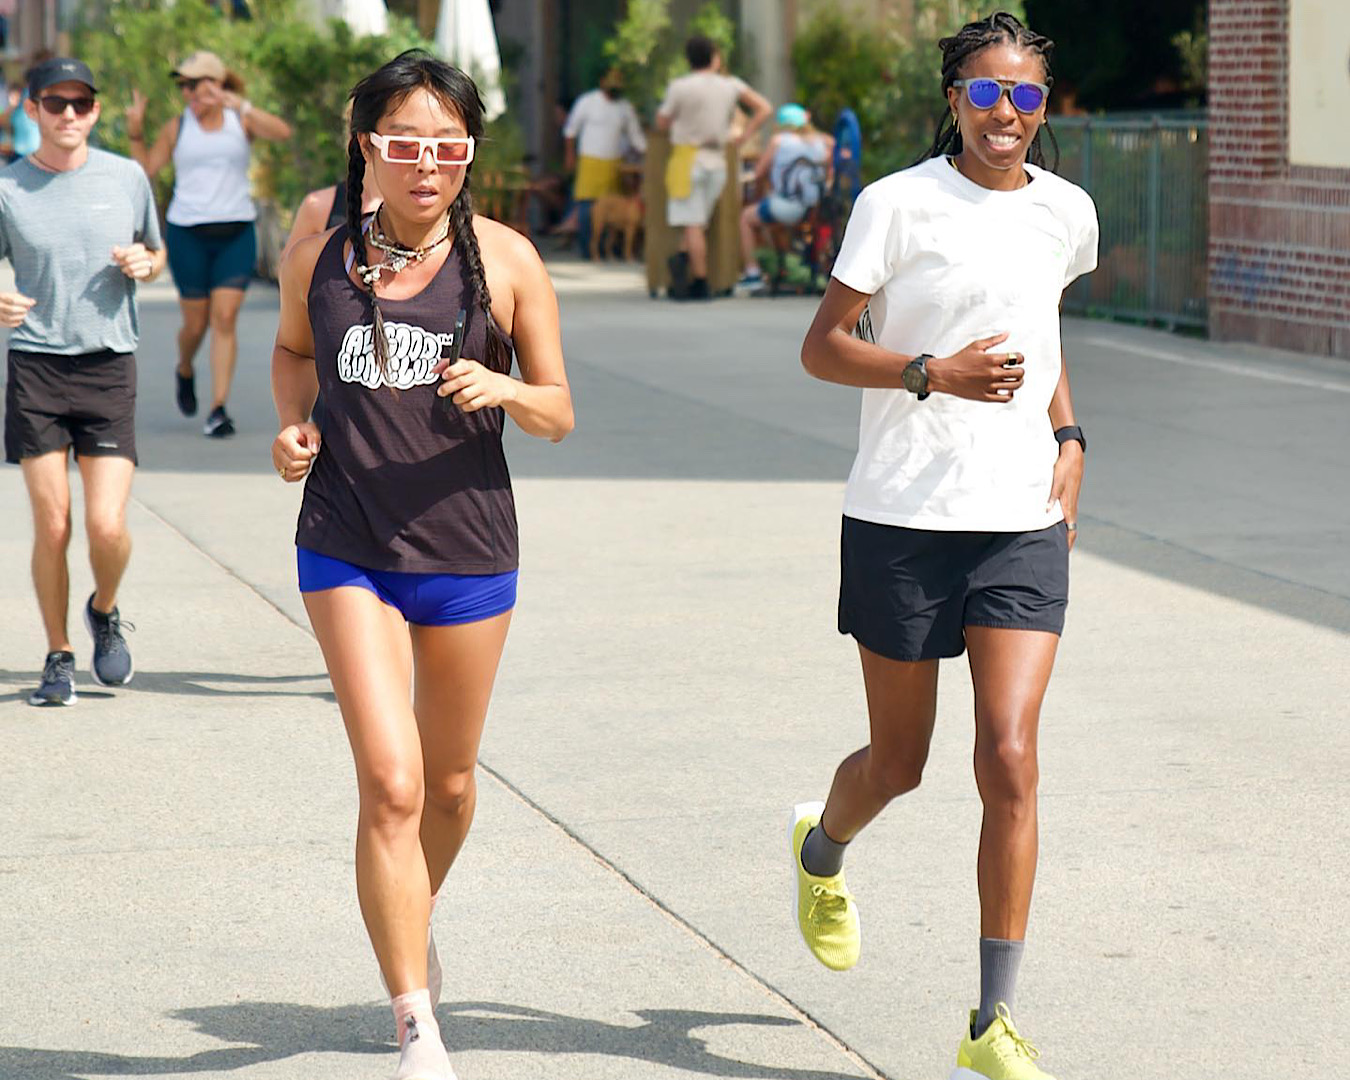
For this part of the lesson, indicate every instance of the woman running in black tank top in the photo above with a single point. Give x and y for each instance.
(407, 541)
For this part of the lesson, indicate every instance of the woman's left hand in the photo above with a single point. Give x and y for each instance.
(471, 386)
(1065, 483)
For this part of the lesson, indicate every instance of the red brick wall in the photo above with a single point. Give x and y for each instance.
(1279, 235)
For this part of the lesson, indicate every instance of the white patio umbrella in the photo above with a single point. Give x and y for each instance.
(467, 38)
(363, 16)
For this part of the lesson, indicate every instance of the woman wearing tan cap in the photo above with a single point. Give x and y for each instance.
(211, 240)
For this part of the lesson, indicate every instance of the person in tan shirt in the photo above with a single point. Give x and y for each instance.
(697, 112)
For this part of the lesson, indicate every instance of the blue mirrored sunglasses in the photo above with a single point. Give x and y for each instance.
(1026, 97)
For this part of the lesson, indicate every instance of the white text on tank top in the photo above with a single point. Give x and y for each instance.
(211, 169)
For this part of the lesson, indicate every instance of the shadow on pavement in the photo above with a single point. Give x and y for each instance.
(193, 683)
(269, 1031)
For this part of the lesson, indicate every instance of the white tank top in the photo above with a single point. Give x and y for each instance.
(798, 181)
(212, 173)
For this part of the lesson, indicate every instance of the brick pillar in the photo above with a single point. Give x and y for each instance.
(1279, 248)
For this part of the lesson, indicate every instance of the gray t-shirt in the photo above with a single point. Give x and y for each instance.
(58, 229)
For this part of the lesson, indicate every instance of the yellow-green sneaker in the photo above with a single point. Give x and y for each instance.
(999, 1054)
(826, 913)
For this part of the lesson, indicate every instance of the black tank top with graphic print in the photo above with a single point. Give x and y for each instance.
(404, 480)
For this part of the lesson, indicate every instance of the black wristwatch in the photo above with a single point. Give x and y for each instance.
(1070, 431)
(915, 376)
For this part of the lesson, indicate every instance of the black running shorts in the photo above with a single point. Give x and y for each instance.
(909, 594)
(86, 401)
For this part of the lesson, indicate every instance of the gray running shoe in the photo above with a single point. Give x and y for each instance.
(58, 681)
(111, 665)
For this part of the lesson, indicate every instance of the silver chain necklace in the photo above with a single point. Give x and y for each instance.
(397, 257)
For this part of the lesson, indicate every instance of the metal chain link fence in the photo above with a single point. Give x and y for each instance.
(1149, 178)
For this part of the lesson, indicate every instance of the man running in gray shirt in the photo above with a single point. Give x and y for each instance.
(80, 228)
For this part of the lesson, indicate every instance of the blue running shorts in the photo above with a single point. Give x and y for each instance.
(422, 599)
(203, 258)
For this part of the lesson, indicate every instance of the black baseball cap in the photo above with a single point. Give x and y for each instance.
(59, 69)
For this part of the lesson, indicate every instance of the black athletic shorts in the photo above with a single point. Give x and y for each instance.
(86, 401)
(909, 594)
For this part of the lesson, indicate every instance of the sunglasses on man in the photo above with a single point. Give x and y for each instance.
(408, 149)
(191, 84)
(1026, 97)
(56, 104)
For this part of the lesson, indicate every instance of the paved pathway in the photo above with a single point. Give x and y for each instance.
(176, 896)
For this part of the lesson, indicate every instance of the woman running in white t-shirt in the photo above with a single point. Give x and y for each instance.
(962, 504)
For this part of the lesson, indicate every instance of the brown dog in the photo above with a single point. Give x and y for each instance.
(623, 213)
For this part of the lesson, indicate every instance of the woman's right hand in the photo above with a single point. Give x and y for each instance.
(294, 450)
(135, 114)
(977, 373)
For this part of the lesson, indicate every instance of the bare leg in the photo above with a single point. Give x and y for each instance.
(195, 317)
(901, 708)
(1010, 670)
(366, 647)
(455, 669)
(225, 305)
(107, 486)
(749, 224)
(49, 493)
(696, 243)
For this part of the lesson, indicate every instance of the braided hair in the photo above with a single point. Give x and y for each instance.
(371, 99)
(998, 29)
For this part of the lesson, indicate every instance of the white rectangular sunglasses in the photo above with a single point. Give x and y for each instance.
(409, 149)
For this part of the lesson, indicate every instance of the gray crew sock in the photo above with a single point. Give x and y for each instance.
(821, 856)
(999, 960)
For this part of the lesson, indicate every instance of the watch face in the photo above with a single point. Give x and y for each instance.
(914, 379)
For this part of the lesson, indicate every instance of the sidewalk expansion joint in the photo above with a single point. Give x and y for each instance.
(764, 986)
(227, 570)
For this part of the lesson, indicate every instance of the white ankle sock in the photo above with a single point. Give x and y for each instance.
(415, 1006)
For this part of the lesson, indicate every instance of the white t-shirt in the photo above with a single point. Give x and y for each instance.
(946, 262)
(603, 127)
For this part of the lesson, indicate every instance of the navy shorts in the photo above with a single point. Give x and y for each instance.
(202, 258)
(909, 594)
(422, 599)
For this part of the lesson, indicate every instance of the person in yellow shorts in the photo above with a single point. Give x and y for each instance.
(601, 130)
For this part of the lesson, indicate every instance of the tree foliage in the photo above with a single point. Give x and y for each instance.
(292, 68)
(889, 74)
(648, 47)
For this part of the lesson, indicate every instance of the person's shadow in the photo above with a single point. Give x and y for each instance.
(261, 1032)
(191, 683)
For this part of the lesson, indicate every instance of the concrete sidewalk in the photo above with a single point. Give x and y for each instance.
(176, 894)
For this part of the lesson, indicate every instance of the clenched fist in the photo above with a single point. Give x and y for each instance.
(14, 308)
